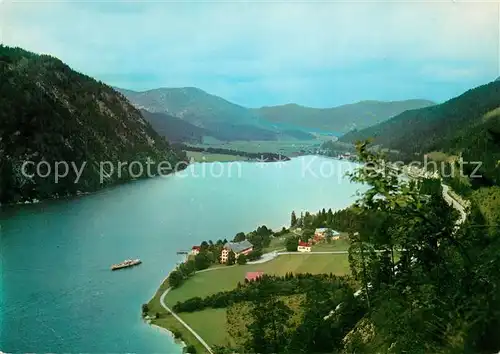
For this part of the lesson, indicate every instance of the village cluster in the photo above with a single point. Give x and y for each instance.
(245, 247)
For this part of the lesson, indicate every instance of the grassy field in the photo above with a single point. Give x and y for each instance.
(208, 157)
(441, 156)
(211, 324)
(169, 322)
(208, 283)
(335, 245)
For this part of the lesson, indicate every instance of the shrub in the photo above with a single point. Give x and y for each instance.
(291, 244)
(254, 255)
(242, 259)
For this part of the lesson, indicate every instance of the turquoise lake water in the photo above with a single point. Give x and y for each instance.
(57, 293)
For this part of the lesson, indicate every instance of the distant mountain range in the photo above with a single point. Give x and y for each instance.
(219, 118)
(342, 118)
(228, 121)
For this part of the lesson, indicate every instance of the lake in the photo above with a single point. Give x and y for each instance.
(57, 293)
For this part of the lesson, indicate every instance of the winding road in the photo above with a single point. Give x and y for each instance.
(197, 336)
(454, 203)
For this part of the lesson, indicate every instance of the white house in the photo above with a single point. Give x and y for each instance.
(243, 247)
(319, 234)
(304, 247)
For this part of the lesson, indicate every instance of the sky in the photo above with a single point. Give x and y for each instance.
(318, 54)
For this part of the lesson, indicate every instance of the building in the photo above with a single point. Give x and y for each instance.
(304, 247)
(335, 235)
(243, 247)
(253, 275)
(320, 234)
(195, 250)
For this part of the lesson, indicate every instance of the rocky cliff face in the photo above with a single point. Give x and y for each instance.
(52, 117)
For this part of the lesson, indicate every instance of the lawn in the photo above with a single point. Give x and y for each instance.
(211, 282)
(336, 245)
(211, 324)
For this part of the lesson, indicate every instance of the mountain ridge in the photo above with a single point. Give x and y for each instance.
(223, 117)
(219, 117)
(467, 125)
(340, 118)
(50, 113)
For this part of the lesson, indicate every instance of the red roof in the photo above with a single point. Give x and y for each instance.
(196, 248)
(304, 244)
(253, 275)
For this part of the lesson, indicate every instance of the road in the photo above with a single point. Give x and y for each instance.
(456, 205)
(266, 257)
(197, 336)
(316, 252)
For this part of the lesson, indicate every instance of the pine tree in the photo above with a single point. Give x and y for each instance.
(293, 221)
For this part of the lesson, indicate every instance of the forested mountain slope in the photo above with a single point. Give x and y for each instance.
(48, 112)
(342, 118)
(220, 118)
(426, 129)
(173, 128)
(467, 125)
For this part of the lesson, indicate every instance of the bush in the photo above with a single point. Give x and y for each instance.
(231, 258)
(254, 255)
(177, 334)
(190, 349)
(254, 290)
(242, 259)
(291, 244)
(175, 279)
(201, 261)
(145, 309)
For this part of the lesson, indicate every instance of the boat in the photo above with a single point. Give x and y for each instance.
(126, 263)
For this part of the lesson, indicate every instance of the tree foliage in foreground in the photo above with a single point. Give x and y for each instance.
(428, 283)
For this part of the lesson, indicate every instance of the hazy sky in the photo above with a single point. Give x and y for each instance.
(263, 53)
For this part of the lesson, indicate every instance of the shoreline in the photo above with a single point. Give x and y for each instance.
(119, 183)
(177, 341)
(169, 331)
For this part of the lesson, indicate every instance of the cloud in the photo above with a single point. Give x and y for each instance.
(279, 49)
